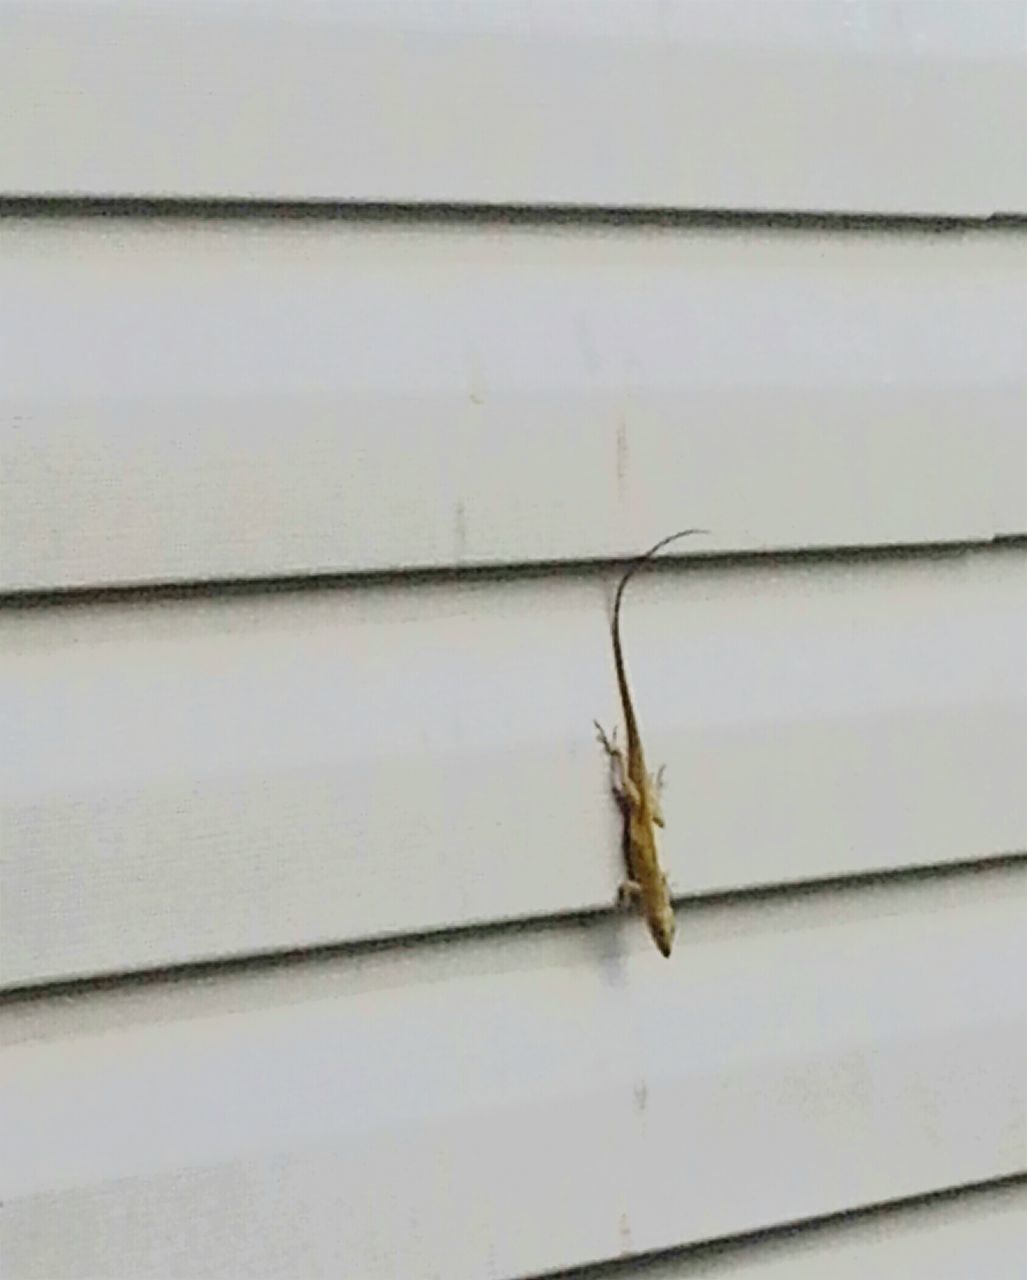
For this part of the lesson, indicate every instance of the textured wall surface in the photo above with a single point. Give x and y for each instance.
(310, 518)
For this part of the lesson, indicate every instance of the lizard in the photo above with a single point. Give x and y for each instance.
(637, 792)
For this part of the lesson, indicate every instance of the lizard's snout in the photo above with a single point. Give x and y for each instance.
(663, 934)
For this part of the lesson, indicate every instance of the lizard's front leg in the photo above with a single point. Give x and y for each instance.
(628, 893)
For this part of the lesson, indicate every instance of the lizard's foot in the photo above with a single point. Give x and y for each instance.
(619, 779)
(608, 744)
(628, 893)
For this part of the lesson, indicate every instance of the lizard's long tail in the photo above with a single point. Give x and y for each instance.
(630, 726)
(645, 556)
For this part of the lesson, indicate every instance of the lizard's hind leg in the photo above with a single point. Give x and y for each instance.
(655, 790)
(607, 742)
(619, 779)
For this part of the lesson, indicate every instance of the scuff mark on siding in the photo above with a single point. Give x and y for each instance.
(622, 455)
(460, 532)
(641, 1096)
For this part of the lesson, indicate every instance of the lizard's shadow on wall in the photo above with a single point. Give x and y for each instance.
(607, 938)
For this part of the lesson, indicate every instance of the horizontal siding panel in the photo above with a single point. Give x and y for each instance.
(980, 1233)
(204, 776)
(757, 104)
(195, 400)
(516, 1103)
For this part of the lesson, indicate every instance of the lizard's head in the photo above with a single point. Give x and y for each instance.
(662, 925)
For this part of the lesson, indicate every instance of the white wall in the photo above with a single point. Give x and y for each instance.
(848, 106)
(308, 525)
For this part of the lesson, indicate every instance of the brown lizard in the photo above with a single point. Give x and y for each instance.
(637, 792)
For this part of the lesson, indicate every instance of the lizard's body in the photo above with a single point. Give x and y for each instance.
(638, 792)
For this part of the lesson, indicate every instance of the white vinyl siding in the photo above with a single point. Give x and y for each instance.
(262, 398)
(309, 521)
(877, 106)
(519, 1102)
(203, 778)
